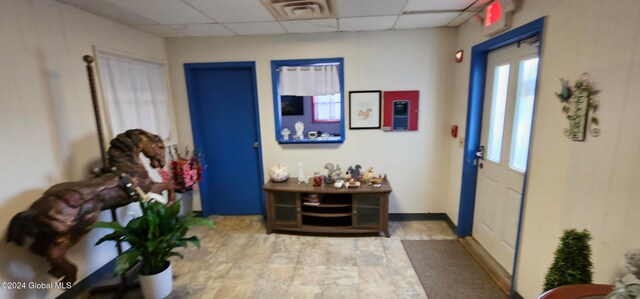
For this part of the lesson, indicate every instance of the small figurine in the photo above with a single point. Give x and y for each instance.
(338, 184)
(369, 175)
(628, 287)
(299, 130)
(354, 171)
(337, 172)
(285, 134)
(331, 169)
(301, 177)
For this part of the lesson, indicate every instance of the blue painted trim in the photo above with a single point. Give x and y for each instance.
(196, 122)
(275, 64)
(474, 125)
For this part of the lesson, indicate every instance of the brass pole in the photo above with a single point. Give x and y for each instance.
(96, 108)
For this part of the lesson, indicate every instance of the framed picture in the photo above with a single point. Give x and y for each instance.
(292, 105)
(364, 109)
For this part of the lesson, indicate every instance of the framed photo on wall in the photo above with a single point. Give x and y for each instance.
(365, 109)
(292, 105)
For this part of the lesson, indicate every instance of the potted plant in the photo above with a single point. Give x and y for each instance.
(153, 237)
(572, 261)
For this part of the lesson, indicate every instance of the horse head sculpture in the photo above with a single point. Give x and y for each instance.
(60, 217)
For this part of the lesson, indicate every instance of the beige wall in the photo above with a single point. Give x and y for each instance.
(48, 130)
(593, 184)
(416, 162)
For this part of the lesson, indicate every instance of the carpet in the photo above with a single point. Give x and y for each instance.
(447, 271)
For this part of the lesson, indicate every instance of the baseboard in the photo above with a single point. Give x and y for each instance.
(88, 282)
(422, 216)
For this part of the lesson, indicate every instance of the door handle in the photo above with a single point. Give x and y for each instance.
(480, 153)
(256, 145)
(479, 157)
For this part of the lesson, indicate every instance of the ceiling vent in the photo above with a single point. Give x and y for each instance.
(284, 10)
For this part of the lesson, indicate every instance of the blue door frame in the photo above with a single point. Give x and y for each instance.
(198, 131)
(474, 125)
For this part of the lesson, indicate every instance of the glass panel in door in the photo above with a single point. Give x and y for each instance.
(523, 114)
(498, 107)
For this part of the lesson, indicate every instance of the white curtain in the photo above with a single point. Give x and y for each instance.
(309, 80)
(135, 94)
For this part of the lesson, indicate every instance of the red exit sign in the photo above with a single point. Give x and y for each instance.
(492, 13)
(497, 16)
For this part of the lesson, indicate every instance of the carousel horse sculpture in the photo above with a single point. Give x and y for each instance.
(61, 216)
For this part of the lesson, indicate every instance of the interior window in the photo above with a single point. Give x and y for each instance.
(308, 98)
(326, 108)
(135, 94)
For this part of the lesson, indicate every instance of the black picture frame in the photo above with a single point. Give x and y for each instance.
(365, 109)
(292, 105)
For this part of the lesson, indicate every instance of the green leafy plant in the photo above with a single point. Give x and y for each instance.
(572, 261)
(153, 236)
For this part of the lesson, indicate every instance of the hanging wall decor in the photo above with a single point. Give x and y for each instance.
(580, 106)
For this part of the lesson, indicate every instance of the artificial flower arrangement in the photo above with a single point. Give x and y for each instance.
(184, 171)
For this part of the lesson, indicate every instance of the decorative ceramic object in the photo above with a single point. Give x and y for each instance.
(580, 106)
(338, 184)
(299, 130)
(354, 171)
(312, 134)
(337, 172)
(628, 287)
(279, 173)
(369, 175)
(329, 178)
(301, 177)
(285, 134)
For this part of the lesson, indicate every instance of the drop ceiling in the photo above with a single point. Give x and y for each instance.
(191, 18)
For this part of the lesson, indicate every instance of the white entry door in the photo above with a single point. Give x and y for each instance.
(506, 126)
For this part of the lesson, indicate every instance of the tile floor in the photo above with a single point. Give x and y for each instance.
(239, 260)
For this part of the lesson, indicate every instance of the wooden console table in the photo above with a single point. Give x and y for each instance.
(346, 210)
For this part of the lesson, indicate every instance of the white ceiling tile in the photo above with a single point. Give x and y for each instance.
(110, 11)
(163, 30)
(164, 11)
(206, 30)
(421, 5)
(360, 8)
(460, 19)
(224, 11)
(429, 20)
(255, 28)
(479, 5)
(308, 26)
(367, 23)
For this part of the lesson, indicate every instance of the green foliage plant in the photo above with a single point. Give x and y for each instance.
(572, 261)
(153, 237)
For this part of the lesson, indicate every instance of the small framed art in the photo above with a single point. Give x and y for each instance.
(365, 109)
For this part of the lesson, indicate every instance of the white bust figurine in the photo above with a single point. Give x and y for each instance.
(299, 130)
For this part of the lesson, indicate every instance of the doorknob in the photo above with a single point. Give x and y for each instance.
(256, 145)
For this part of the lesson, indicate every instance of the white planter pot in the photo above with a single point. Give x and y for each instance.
(186, 202)
(157, 286)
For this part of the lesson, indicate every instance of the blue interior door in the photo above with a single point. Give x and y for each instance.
(224, 118)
